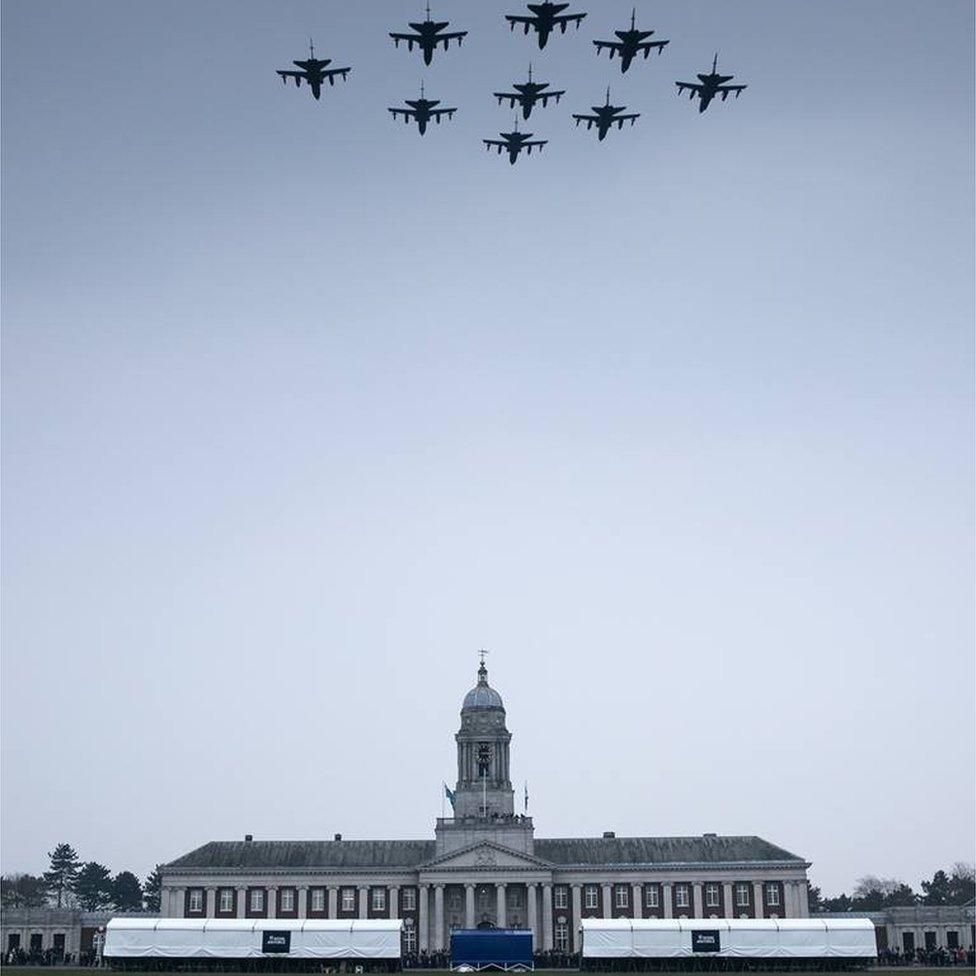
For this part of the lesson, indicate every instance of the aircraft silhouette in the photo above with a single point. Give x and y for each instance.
(606, 116)
(313, 72)
(545, 16)
(711, 85)
(528, 93)
(422, 110)
(428, 35)
(515, 142)
(631, 43)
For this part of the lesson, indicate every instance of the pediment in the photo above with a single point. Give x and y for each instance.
(486, 856)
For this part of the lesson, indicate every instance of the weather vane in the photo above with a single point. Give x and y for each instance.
(481, 654)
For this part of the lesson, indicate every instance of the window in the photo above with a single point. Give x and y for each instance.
(652, 896)
(13, 941)
(929, 941)
(908, 941)
(562, 937)
(409, 901)
(58, 944)
(621, 898)
(227, 901)
(454, 899)
(257, 899)
(592, 895)
(515, 898)
(36, 942)
(952, 939)
(410, 940)
(195, 903)
(711, 896)
(318, 899)
(348, 899)
(286, 899)
(742, 895)
(559, 897)
(379, 899)
(772, 895)
(681, 896)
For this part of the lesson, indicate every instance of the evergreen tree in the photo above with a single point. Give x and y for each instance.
(93, 886)
(152, 889)
(60, 877)
(127, 892)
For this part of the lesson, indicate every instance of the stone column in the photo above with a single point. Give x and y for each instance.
(164, 903)
(607, 901)
(546, 917)
(271, 909)
(668, 905)
(757, 898)
(469, 906)
(333, 901)
(394, 896)
(501, 920)
(577, 908)
(727, 899)
(637, 895)
(438, 940)
(697, 902)
(423, 936)
(802, 900)
(362, 896)
(532, 912)
(240, 901)
(301, 905)
(209, 902)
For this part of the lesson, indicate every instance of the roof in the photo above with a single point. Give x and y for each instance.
(308, 854)
(410, 854)
(707, 849)
(482, 695)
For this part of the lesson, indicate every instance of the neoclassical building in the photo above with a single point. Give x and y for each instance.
(485, 866)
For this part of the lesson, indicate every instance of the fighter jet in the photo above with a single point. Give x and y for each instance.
(422, 110)
(515, 142)
(313, 72)
(528, 93)
(606, 116)
(630, 44)
(711, 85)
(428, 35)
(545, 16)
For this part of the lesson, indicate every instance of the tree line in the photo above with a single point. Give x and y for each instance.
(955, 886)
(70, 882)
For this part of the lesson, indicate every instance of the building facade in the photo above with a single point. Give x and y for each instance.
(485, 867)
(52, 934)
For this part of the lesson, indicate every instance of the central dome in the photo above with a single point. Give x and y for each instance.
(482, 695)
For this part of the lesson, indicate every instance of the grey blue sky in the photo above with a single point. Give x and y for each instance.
(301, 409)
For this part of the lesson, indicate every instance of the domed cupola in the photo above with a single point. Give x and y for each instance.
(484, 789)
(482, 695)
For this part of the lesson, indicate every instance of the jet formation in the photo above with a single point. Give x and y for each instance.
(544, 19)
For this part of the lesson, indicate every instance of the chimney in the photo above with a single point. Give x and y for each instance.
(607, 834)
(248, 838)
(337, 837)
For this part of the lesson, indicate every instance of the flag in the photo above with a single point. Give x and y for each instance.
(525, 806)
(450, 794)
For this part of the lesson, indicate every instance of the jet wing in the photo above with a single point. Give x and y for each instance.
(495, 142)
(545, 96)
(646, 46)
(411, 39)
(331, 73)
(620, 119)
(533, 142)
(526, 22)
(297, 75)
(501, 96)
(590, 120)
(438, 112)
(726, 90)
(684, 86)
(405, 112)
(564, 19)
(453, 36)
(615, 47)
